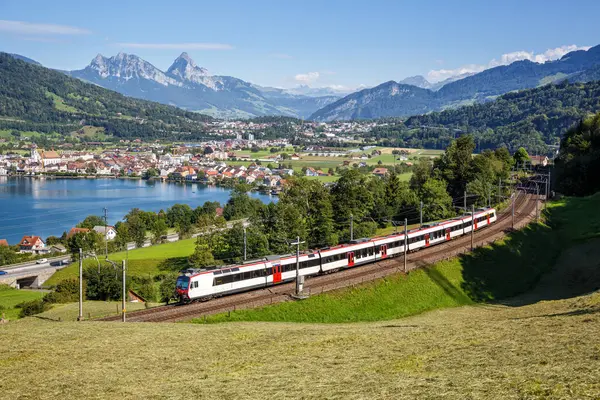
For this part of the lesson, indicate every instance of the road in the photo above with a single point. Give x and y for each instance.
(32, 266)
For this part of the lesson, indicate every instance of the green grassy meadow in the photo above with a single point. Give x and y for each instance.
(10, 297)
(146, 261)
(542, 350)
(91, 310)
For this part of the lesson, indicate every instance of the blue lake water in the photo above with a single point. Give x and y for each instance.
(45, 207)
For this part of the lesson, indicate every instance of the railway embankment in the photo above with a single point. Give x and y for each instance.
(558, 252)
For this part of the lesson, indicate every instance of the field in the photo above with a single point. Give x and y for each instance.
(147, 261)
(10, 297)
(544, 350)
(91, 309)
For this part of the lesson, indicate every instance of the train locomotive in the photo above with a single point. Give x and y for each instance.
(204, 284)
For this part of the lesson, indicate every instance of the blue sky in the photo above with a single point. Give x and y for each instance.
(285, 43)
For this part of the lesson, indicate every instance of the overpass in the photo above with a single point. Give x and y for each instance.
(32, 275)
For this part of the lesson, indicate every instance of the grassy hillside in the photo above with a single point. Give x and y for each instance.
(10, 297)
(40, 99)
(147, 261)
(547, 350)
(508, 268)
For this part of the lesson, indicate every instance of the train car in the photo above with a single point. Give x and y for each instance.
(389, 246)
(205, 284)
(358, 252)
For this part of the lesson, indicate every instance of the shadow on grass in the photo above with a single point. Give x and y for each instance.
(452, 291)
(515, 266)
(174, 264)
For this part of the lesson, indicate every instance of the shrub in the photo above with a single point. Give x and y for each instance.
(32, 307)
(66, 291)
(146, 289)
(167, 288)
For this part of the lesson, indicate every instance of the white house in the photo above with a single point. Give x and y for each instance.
(111, 232)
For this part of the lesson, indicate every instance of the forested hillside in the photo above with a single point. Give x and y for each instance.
(578, 164)
(532, 118)
(35, 98)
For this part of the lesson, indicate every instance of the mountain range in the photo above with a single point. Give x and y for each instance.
(191, 87)
(417, 96)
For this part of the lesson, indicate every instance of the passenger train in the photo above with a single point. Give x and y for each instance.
(204, 284)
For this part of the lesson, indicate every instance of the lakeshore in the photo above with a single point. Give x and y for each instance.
(44, 207)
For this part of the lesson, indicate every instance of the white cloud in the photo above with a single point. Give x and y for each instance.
(307, 78)
(177, 46)
(28, 28)
(505, 59)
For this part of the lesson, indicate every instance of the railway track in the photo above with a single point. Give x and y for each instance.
(524, 207)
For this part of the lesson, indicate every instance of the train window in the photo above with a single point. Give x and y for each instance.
(218, 272)
(218, 281)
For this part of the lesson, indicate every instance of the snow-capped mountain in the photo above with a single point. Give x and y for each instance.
(192, 87)
(129, 66)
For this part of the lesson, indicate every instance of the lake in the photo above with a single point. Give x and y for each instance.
(45, 207)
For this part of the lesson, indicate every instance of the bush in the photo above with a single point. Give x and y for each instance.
(145, 288)
(32, 307)
(66, 291)
(167, 288)
(104, 285)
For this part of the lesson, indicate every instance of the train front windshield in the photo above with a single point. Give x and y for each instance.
(183, 282)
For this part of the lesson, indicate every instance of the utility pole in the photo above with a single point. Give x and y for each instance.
(105, 232)
(421, 223)
(499, 189)
(465, 205)
(405, 242)
(472, 227)
(298, 243)
(351, 227)
(537, 200)
(513, 209)
(245, 243)
(124, 291)
(80, 316)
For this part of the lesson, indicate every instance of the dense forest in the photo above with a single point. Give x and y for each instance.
(533, 118)
(39, 99)
(578, 163)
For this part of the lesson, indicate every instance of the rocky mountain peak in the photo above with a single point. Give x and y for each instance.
(185, 68)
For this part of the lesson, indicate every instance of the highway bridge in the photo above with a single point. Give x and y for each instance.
(32, 274)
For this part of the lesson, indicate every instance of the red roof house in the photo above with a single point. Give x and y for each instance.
(31, 244)
(75, 231)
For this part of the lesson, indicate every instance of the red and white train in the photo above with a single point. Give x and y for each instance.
(271, 270)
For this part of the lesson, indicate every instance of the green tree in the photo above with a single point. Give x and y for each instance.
(167, 288)
(91, 221)
(454, 166)
(103, 283)
(521, 157)
(8, 256)
(159, 229)
(437, 203)
(202, 256)
(150, 173)
(421, 172)
(136, 229)
(87, 241)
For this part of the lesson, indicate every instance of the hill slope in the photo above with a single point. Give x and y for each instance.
(479, 87)
(532, 118)
(37, 98)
